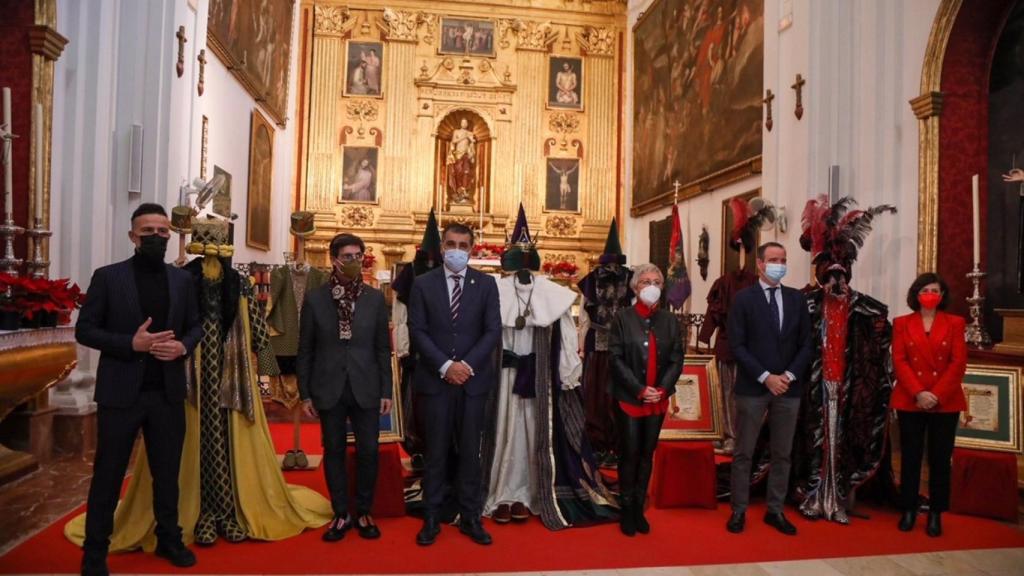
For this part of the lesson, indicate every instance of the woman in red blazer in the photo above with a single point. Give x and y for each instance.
(929, 354)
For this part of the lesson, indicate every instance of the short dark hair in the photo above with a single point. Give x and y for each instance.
(922, 281)
(764, 247)
(345, 239)
(458, 228)
(148, 208)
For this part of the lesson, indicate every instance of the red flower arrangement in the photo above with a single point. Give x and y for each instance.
(33, 297)
(369, 260)
(485, 250)
(561, 269)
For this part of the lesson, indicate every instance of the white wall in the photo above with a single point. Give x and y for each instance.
(862, 63)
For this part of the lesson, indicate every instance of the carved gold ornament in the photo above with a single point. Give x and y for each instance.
(400, 25)
(332, 21)
(535, 35)
(564, 123)
(362, 109)
(356, 217)
(597, 41)
(561, 226)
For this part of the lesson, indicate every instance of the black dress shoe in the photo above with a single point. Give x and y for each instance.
(429, 532)
(934, 528)
(778, 521)
(627, 516)
(94, 565)
(337, 528)
(176, 554)
(366, 528)
(475, 530)
(736, 522)
(907, 520)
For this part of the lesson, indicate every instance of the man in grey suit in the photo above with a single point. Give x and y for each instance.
(770, 336)
(344, 373)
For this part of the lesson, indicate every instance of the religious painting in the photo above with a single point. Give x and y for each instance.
(363, 68)
(695, 409)
(563, 185)
(730, 257)
(992, 418)
(221, 203)
(359, 174)
(467, 37)
(565, 83)
(261, 162)
(253, 39)
(390, 425)
(697, 85)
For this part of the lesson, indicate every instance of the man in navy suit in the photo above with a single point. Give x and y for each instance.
(455, 324)
(770, 336)
(143, 316)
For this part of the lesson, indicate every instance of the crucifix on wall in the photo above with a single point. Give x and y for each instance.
(768, 123)
(180, 66)
(799, 87)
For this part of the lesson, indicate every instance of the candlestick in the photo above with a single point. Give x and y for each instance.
(7, 153)
(976, 334)
(977, 222)
(38, 121)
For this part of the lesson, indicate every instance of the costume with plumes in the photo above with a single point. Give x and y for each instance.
(536, 451)
(605, 291)
(842, 430)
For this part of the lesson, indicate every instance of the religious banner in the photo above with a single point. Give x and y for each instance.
(992, 418)
(697, 86)
(695, 409)
(253, 39)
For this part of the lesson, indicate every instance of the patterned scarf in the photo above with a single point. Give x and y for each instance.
(345, 296)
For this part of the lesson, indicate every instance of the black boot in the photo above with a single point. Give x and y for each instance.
(627, 517)
(934, 528)
(907, 520)
(642, 526)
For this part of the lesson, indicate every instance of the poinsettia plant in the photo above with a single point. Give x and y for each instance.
(32, 296)
(369, 260)
(485, 250)
(562, 269)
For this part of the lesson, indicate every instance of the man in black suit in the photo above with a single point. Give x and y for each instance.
(770, 335)
(143, 316)
(344, 373)
(455, 323)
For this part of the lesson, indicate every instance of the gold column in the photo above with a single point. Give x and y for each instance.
(330, 25)
(399, 172)
(598, 197)
(534, 38)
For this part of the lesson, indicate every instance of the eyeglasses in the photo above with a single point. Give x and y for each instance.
(351, 257)
(646, 283)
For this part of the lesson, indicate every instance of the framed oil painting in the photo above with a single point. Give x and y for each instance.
(695, 409)
(253, 39)
(730, 257)
(467, 36)
(261, 163)
(363, 62)
(565, 83)
(359, 174)
(697, 89)
(562, 193)
(992, 418)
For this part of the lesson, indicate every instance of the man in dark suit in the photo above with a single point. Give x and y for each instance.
(143, 316)
(455, 323)
(344, 372)
(770, 334)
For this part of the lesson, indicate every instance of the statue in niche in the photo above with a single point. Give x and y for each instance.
(462, 164)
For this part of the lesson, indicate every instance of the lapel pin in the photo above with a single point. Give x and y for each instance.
(472, 281)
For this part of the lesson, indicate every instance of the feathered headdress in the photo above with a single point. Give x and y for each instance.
(746, 224)
(835, 234)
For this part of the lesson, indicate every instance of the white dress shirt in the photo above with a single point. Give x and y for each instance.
(450, 283)
(778, 300)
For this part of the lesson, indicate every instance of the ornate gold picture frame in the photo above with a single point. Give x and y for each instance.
(565, 83)
(261, 179)
(992, 418)
(695, 410)
(364, 72)
(390, 424)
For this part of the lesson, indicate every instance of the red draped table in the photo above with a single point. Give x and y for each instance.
(684, 475)
(984, 484)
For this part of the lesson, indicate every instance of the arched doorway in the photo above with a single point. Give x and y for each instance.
(462, 161)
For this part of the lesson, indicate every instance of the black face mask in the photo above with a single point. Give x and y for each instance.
(152, 248)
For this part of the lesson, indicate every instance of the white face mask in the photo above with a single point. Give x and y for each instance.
(650, 295)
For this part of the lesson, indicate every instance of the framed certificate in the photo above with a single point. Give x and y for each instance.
(695, 410)
(992, 418)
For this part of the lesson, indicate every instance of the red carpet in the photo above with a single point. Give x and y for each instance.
(679, 537)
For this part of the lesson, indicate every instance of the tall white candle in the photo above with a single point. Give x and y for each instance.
(480, 195)
(7, 153)
(977, 221)
(38, 121)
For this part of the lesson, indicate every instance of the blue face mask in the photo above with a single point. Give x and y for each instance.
(776, 272)
(456, 259)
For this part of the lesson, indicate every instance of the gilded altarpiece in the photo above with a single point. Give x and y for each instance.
(469, 134)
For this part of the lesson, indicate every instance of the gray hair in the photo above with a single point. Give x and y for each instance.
(641, 269)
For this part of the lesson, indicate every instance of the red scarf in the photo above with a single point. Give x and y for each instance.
(647, 409)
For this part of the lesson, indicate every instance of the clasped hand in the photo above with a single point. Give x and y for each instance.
(651, 395)
(458, 373)
(926, 400)
(161, 345)
(778, 384)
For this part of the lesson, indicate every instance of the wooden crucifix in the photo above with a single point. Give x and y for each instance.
(675, 192)
(202, 72)
(768, 122)
(180, 67)
(799, 87)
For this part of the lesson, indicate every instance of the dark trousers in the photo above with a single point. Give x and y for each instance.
(163, 432)
(453, 417)
(638, 437)
(782, 414)
(940, 430)
(334, 434)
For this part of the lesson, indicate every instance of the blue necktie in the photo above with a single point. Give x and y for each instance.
(773, 308)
